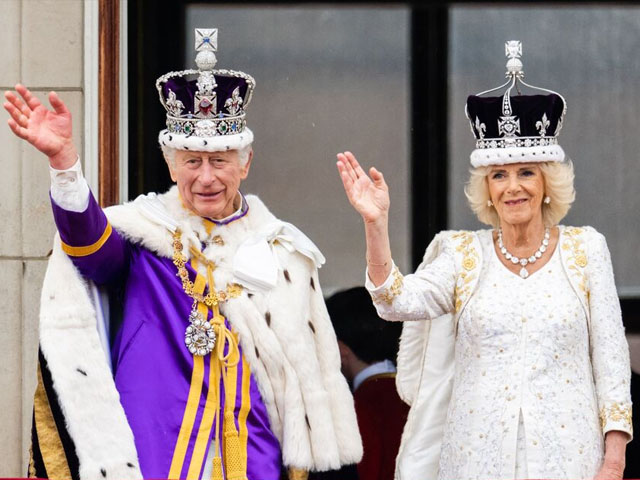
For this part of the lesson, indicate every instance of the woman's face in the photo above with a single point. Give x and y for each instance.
(208, 181)
(516, 191)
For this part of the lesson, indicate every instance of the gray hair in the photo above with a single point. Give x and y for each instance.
(170, 154)
(558, 185)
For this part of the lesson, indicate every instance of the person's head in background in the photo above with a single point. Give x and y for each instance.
(363, 338)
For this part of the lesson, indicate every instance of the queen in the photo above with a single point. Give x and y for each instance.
(513, 353)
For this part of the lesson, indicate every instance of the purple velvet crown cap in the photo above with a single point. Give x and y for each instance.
(206, 107)
(185, 91)
(515, 128)
(528, 109)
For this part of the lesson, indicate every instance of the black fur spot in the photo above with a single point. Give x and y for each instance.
(257, 353)
(286, 276)
(170, 138)
(313, 329)
(103, 472)
(312, 283)
(81, 371)
(186, 148)
(249, 295)
(130, 465)
(204, 142)
(267, 317)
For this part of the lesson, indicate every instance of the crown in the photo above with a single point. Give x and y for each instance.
(207, 112)
(516, 128)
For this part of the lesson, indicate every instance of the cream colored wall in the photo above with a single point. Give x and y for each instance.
(42, 47)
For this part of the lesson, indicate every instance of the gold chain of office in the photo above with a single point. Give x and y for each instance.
(212, 298)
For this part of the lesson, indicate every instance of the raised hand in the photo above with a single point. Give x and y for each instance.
(368, 195)
(47, 130)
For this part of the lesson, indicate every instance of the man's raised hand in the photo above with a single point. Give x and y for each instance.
(47, 130)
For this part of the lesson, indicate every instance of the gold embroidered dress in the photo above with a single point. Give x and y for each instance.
(541, 366)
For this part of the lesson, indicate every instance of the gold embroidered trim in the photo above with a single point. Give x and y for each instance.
(50, 445)
(616, 412)
(577, 257)
(297, 474)
(469, 263)
(388, 294)
(88, 249)
(32, 465)
(218, 240)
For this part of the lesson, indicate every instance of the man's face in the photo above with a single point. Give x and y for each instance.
(208, 182)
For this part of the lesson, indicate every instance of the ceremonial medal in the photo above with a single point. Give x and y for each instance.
(199, 336)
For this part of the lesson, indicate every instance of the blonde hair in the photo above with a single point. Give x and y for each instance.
(170, 154)
(558, 186)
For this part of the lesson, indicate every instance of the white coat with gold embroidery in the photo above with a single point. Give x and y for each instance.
(439, 367)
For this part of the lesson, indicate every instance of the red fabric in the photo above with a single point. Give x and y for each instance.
(381, 418)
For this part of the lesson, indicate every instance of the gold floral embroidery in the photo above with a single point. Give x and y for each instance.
(388, 294)
(234, 290)
(576, 258)
(469, 263)
(218, 240)
(616, 412)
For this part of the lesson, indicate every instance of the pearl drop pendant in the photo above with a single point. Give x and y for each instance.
(524, 261)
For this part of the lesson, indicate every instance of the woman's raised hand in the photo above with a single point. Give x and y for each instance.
(369, 195)
(47, 130)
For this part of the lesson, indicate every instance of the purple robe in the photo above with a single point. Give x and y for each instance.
(164, 389)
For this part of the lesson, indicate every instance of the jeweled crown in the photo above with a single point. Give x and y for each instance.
(516, 128)
(206, 107)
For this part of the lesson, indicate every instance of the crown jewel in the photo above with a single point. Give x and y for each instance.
(210, 106)
(515, 128)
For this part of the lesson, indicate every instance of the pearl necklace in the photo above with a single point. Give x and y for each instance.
(524, 261)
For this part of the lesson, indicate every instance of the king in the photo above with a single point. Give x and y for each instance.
(222, 362)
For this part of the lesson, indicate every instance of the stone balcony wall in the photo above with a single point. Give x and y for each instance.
(43, 49)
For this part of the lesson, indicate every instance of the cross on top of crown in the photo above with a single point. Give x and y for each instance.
(206, 39)
(513, 49)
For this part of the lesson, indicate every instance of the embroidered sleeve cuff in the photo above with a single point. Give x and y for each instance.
(390, 289)
(616, 416)
(85, 251)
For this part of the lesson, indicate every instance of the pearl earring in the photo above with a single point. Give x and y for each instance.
(489, 203)
(547, 199)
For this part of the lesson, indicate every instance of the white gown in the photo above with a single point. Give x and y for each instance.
(522, 350)
(536, 383)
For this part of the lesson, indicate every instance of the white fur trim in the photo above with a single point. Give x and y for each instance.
(82, 378)
(219, 143)
(482, 157)
(293, 356)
